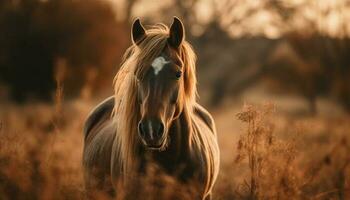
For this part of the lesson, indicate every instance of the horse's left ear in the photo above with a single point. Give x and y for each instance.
(138, 33)
(177, 33)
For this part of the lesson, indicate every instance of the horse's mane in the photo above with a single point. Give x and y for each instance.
(136, 61)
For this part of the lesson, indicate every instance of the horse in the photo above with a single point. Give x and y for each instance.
(153, 118)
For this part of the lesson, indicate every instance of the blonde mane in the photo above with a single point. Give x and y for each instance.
(114, 156)
(136, 62)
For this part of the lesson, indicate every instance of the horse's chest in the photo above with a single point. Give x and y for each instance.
(184, 167)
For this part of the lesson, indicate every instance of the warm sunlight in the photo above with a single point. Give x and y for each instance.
(174, 99)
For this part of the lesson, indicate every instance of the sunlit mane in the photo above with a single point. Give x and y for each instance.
(118, 150)
(136, 62)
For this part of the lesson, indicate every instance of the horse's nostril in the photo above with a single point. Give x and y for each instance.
(160, 130)
(141, 129)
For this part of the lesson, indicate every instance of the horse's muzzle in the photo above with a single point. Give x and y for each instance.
(151, 132)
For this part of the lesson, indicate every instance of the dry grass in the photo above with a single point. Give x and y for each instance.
(279, 157)
(269, 159)
(274, 157)
(38, 158)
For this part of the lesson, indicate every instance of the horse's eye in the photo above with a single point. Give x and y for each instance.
(178, 74)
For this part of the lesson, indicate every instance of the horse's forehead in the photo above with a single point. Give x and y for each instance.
(158, 63)
(161, 61)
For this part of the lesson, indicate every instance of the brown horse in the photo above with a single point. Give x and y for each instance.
(153, 114)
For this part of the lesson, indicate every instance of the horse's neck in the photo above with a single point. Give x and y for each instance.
(180, 134)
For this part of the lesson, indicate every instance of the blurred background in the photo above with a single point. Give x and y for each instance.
(58, 59)
(296, 48)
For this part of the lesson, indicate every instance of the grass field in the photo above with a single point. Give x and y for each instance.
(266, 152)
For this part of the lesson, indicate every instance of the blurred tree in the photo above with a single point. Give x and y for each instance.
(317, 63)
(25, 57)
(35, 33)
(312, 65)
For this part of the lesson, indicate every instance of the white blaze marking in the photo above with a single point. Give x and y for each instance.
(158, 64)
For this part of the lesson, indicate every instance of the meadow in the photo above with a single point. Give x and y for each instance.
(266, 152)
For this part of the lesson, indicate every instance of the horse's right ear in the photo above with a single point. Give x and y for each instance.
(138, 33)
(176, 33)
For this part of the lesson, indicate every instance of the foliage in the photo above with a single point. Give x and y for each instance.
(37, 33)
